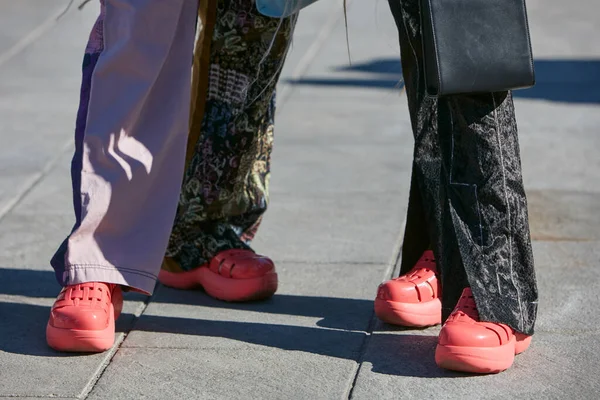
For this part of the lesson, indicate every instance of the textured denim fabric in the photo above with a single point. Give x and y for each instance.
(467, 200)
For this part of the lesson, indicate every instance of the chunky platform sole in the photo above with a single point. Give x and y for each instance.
(480, 360)
(418, 315)
(220, 287)
(82, 341)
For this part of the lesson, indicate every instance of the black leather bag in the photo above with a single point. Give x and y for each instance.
(474, 46)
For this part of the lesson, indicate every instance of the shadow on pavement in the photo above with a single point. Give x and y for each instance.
(335, 312)
(568, 81)
(22, 326)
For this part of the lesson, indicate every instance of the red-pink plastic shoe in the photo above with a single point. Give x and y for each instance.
(232, 275)
(466, 344)
(83, 317)
(412, 299)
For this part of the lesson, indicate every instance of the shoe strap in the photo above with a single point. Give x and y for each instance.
(224, 262)
(86, 293)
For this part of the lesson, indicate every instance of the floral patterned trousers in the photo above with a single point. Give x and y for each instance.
(237, 63)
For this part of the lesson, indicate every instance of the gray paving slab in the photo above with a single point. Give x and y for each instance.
(20, 19)
(315, 21)
(558, 365)
(359, 146)
(308, 314)
(372, 35)
(33, 229)
(39, 89)
(564, 215)
(302, 343)
(330, 62)
(551, 369)
(43, 397)
(559, 118)
(222, 374)
(355, 227)
(568, 135)
(343, 168)
(564, 29)
(380, 121)
(569, 286)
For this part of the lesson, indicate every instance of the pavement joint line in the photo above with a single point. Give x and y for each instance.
(18, 396)
(562, 240)
(324, 328)
(372, 263)
(97, 375)
(32, 36)
(322, 194)
(19, 298)
(311, 53)
(257, 348)
(35, 179)
(392, 269)
(101, 368)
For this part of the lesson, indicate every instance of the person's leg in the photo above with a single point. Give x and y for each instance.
(225, 189)
(130, 148)
(414, 298)
(468, 173)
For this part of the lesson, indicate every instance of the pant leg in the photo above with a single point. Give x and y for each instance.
(130, 142)
(467, 191)
(225, 188)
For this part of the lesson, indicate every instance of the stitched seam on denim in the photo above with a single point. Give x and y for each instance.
(99, 266)
(510, 250)
(474, 186)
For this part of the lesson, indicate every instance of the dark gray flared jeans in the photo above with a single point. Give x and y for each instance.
(467, 201)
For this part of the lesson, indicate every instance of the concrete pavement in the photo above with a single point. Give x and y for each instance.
(339, 191)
